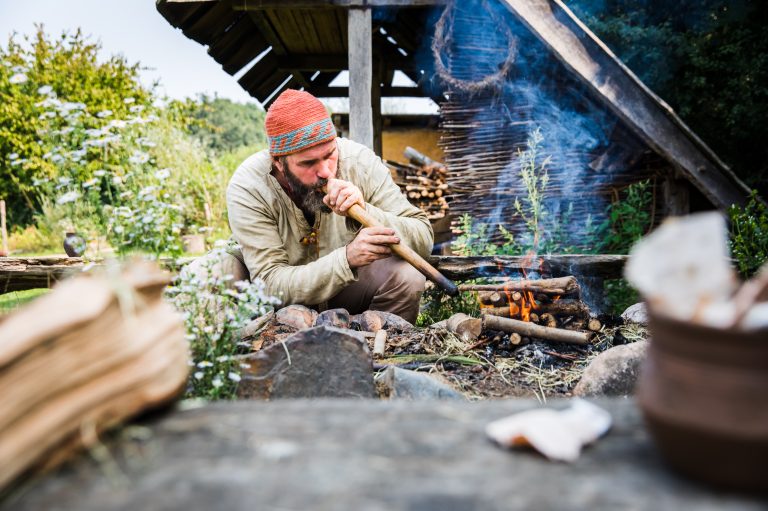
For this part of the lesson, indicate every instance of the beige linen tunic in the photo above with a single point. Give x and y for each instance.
(269, 226)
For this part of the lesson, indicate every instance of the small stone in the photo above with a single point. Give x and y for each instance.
(613, 372)
(338, 318)
(316, 362)
(404, 384)
(296, 316)
(393, 322)
(370, 321)
(637, 313)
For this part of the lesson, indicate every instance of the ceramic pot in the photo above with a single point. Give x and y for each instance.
(74, 244)
(704, 394)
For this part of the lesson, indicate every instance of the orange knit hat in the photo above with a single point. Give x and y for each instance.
(295, 121)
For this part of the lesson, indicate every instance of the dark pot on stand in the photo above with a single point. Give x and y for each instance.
(704, 394)
(74, 244)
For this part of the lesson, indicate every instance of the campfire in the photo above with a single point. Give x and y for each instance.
(546, 309)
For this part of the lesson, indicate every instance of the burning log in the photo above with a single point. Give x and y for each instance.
(594, 325)
(557, 286)
(532, 330)
(546, 312)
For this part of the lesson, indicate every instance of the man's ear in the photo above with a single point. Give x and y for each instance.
(277, 163)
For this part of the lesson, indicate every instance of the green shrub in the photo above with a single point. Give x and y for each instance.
(66, 67)
(629, 219)
(749, 235)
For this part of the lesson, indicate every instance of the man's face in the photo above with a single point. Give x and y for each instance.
(308, 171)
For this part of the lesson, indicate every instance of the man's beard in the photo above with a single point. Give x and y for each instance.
(311, 196)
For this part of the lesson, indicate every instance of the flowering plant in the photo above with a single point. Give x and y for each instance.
(215, 309)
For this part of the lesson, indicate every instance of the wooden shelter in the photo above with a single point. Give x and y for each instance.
(533, 45)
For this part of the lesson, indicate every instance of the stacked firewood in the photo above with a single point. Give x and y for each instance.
(423, 181)
(545, 309)
(94, 352)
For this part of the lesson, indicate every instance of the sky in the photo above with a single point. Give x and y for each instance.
(134, 29)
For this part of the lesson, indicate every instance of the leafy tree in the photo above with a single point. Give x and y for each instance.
(65, 68)
(223, 125)
(707, 58)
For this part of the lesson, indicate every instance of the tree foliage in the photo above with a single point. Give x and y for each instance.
(223, 125)
(66, 67)
(707, 58)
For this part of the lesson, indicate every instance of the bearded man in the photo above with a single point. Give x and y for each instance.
(297, 238)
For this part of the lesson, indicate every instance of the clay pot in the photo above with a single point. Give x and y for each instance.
(74, 244)
(704, 394)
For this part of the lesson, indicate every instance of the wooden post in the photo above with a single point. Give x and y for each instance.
(4, 247)
(360, 76)
(378, 76)
(676, 196)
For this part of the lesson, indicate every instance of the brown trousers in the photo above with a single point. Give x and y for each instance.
(390, 285)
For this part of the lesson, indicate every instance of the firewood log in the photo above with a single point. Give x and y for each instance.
(464, 326)
(532, 330)
(557, 286)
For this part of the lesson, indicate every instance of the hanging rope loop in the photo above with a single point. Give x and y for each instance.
(443, 40)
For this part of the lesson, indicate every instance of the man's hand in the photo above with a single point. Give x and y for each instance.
(342, 195)
(370, 244)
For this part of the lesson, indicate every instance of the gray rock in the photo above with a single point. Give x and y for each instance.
(370, 321)
(395, 322)
(637, 313)
(405, 384)
(338, 318)
(296, 316)
(317, 362)
(613, 372)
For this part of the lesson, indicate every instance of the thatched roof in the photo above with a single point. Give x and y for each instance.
(303, 44)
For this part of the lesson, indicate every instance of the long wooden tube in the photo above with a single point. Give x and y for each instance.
(405, 252)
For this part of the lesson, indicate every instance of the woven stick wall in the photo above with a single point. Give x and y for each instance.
(503, 85)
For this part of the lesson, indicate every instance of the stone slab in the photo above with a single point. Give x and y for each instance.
(365, 455)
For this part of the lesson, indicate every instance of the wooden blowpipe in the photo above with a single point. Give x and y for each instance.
(405, 252)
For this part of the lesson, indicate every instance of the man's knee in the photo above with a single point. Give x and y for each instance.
(404, 277)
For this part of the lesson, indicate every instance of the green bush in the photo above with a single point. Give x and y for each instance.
(86, 148)
(629, 219)
(749, 235)
(66, 68)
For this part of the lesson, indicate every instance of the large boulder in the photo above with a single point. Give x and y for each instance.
(316, 362)
(613, 372)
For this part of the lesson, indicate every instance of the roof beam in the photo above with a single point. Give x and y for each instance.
(331, 62)
(258, 5)
(343, 92)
